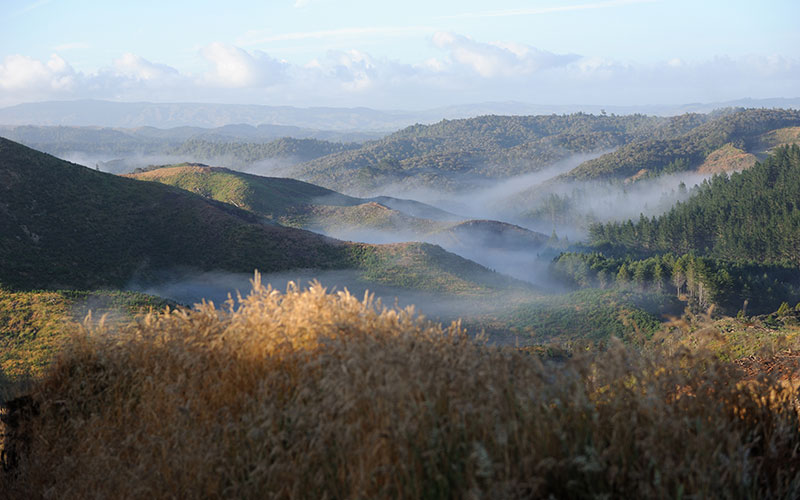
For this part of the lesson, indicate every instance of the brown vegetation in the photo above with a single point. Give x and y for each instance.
(316, 395)
(728, 158)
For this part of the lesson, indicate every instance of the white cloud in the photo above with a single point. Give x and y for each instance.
(138, 68)
(18, 72)
(235, 67)
(353, 69)
(464, 71)
(499, 59)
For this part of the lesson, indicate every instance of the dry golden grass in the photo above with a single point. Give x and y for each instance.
(317, 395)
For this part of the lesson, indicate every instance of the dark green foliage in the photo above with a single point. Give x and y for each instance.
(62, 225)
(752, 215)
(238, 153)
(701, 281)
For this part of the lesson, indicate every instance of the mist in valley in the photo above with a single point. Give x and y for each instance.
(192, 288)
(546, 201)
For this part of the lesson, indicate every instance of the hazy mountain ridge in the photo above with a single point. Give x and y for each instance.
(168, 115)
(118, 150)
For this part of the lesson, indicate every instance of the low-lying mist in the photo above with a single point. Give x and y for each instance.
(192, 288)
(569, 207)
(545, 201)
(484, 200)
(498, 252)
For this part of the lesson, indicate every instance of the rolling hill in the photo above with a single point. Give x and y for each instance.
(728, 142)
(300, 204)
(121, 150)
(453, 154)
(752, 215)
(67, 226)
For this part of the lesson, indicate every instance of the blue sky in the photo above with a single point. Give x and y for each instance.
(390, 54)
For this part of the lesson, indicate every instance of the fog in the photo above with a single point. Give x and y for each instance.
(484, 199)
(529, 207)
(189, 289)
(545, 201)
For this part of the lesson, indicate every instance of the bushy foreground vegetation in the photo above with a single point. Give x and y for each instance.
(314, 395)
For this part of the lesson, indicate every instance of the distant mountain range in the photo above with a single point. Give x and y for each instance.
(168, 115)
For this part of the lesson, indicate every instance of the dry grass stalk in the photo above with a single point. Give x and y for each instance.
(318, 395)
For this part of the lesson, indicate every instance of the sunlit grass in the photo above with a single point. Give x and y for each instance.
(307, 394)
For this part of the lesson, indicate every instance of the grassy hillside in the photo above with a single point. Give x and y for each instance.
(272, 197)
(294, 203)
(63, 225)
(422, 266)
(66, 225)
(743, 130)
(34, 325)
(489, 234)
(308, 395)
(303, 205)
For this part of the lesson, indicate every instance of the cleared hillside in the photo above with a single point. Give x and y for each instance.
(741, 129)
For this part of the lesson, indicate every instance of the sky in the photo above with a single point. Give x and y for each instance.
(409, 54)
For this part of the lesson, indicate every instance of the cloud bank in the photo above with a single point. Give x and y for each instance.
(465, 70)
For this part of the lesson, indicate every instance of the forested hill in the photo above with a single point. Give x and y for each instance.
(752, 215)
(451, 153)
(245, 153)
(238, 145)
(734, 134)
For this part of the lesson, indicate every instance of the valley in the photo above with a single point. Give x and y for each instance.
(548, 235)
(306, 249)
